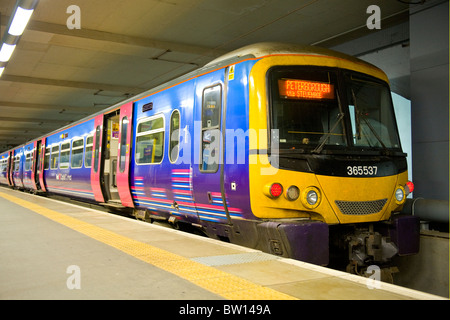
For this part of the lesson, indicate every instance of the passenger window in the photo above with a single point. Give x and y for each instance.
(123, 144)
(97, 148)
(65, 155)
(5, 165)
(174, 136)
(55, 157)
(38, 159)
(28, 158)
(47, 159)
(77, 153)
(88, 153)
(150, 140)
(17, 163)
(211, 110)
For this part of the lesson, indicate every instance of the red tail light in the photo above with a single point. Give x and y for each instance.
(409, 187)
(276, 190)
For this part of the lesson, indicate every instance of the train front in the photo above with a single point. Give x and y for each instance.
(327, 172)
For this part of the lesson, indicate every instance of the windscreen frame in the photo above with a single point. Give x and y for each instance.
(342, 98)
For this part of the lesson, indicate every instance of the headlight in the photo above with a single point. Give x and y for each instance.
(311, 197)
(292, 193)
(400, 195)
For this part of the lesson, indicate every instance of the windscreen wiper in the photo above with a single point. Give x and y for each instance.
(341, 115)
(362, 116)
(319, 148)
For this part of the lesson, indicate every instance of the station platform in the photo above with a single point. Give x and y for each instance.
(56, 250)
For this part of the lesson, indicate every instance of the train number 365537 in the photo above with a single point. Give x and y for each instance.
(362, 170)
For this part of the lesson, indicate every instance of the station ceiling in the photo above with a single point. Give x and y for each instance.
(59, 75)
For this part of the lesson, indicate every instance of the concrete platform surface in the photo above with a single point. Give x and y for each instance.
(55, 250)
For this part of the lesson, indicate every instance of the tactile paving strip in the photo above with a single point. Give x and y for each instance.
(203, 275)
(239, 258)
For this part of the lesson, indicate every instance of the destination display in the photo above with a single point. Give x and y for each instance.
(302, 89)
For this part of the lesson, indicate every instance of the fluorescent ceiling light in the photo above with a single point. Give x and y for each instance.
(6, 52)
(20, 21)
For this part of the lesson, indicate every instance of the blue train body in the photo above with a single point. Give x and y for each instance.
(170, 186)
(67, 171)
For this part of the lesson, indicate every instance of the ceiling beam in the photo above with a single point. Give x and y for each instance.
(18, 135)
(72, 84)
(36, 106)
(14, 130)
(34, 120)
(361, 31)
(59, 29)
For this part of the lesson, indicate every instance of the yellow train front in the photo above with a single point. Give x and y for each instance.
(327, 172)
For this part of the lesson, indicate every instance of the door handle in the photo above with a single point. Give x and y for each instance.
(210, 200)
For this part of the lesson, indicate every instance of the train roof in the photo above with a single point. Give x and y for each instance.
(256, 51)
(262, 49)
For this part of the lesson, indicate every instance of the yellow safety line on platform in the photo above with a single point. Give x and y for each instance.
(221, 283)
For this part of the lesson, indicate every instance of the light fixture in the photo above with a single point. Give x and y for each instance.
(409, 187)
(273, 190)
(311, 197)
(6, 52)
(292, 193)
(400, 195)
(17, 23)
(20, 21)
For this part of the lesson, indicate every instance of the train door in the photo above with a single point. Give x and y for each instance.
(96, 169)
(106, 146)
(10, 169)
(208, 151)
(34, 165)
(40, 164)
(18, 168)
(123, 155)
(111, 147)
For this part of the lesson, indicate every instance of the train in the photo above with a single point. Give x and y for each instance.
(289, 149)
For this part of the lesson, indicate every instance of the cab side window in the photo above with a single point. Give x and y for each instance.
(174, 136)
(211, 111)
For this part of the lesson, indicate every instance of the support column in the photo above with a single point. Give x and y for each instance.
(429, 63)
